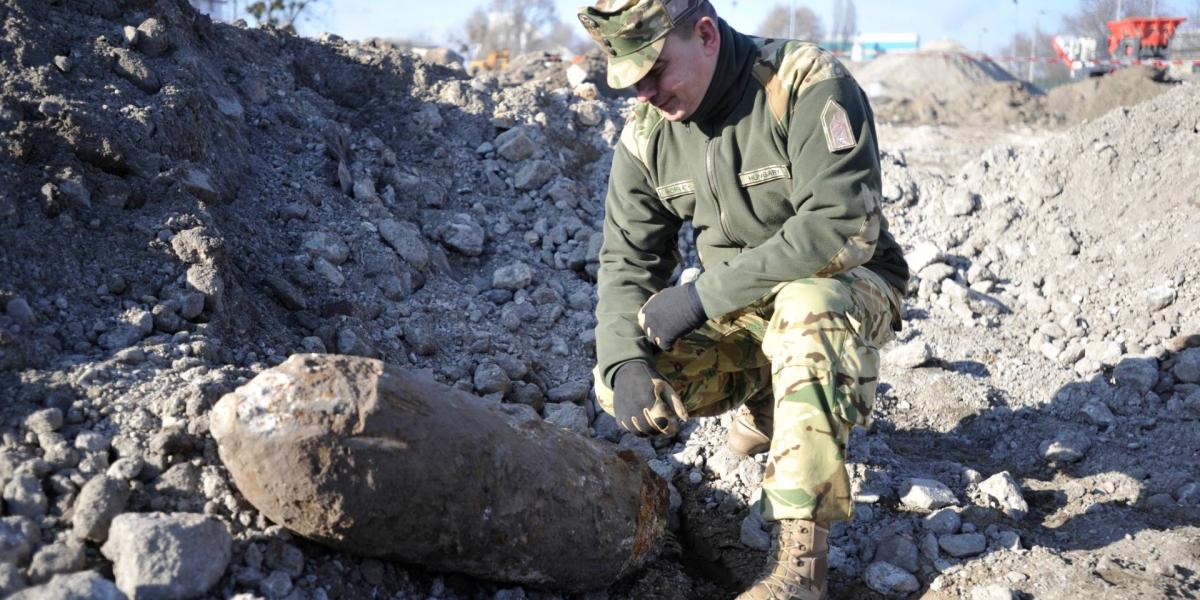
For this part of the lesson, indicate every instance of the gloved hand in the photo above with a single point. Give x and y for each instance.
(671, 314)
(644, 402)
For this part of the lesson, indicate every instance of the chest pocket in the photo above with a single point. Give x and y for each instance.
(766, 191)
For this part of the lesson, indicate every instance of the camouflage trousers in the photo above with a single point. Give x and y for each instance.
(814, 345)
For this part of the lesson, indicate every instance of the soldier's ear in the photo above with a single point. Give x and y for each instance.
(710, 36)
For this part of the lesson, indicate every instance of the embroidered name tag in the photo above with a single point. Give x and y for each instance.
(839, 135)
(675, 190)
(763, 175)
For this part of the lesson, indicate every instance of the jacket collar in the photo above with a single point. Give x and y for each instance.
(735, 66)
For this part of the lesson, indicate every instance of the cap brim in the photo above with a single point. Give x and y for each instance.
(625, 71)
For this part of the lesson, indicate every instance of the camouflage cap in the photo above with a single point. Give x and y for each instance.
(633, 33)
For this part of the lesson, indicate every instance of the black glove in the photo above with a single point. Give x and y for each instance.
(671, 314)
(644, 402)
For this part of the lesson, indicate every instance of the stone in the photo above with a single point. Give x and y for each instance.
(943, 521)
(890, 580)
(135, 70)
(102, 498)
(11, 580)
(910, 355)
(159, 555)
(23, 496)
(1158, 298)
(405, 238)
(1107, 353)
(571, 417)
(515, 145)
(1003, 489)
(126, 468)
(1138, 372)
(899, 551)
(534, 174)
(284, 557)
(428, 117)
(571, 391)
(326, 245)
(640, 446)
(275, 586)
(959, 202)
(18, 538)
(752, 534)
(44, 421)
(1066, 447)
(516, 276)
(197, 182)
(926, 494)
(1063, 243)
(18, 310)
(490, 378)
(923, 254)
(961, 545)
(463, 235)
(56, 559)
(1187, 366)
(86, 585)
(153, 38)
(992, 592)
(1098, 413)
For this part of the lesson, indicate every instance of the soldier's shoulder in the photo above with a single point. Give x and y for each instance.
(643, 121)
(787, 68)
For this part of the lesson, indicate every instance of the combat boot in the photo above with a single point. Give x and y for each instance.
(796, 563)
(750, 430)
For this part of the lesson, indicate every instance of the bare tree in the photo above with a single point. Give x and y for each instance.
(279, 13)
(1092, 17)
(845, 21)
(808, 24)
(518, 26)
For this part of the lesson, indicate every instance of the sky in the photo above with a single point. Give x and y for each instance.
(972, 23)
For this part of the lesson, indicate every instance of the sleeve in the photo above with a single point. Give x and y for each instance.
(836, 196)
(636, 260)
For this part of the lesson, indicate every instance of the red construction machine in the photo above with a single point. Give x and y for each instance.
(1130, 39)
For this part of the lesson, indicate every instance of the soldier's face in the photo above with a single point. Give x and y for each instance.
(680, 77)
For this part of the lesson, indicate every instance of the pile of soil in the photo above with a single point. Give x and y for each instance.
(1094, 96)
(947, 87)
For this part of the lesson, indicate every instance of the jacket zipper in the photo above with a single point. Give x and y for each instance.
(712, 186)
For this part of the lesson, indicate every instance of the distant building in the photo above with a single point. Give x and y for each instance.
(867, 46)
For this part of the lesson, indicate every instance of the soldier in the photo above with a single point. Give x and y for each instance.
(768, 147)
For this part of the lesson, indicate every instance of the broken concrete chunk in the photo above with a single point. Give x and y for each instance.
(178, 555)
(1003, 489)
(926, 494)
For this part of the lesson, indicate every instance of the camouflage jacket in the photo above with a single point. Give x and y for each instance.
(778, 170)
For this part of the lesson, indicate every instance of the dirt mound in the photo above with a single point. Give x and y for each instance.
(996, 103)
(949, 88)
(1094, 96)
(946, 74)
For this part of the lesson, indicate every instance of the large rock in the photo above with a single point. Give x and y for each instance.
(166, 556)
(378, 461)
(100, 501)
(926, 494)
(1005, 492)
(88, 585)
(18, 537)
(890, 580)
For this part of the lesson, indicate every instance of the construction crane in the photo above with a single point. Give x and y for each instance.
(1130, 41)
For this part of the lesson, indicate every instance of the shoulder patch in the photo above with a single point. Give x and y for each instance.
(839, 134)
